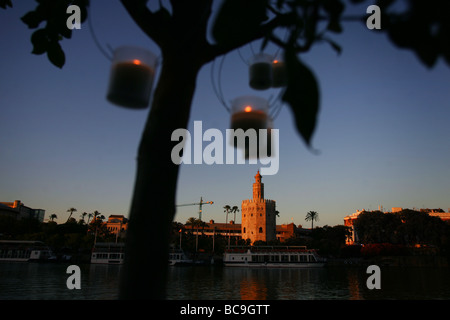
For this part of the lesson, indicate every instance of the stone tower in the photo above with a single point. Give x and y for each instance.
(258, 215)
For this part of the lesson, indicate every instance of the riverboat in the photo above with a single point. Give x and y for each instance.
(108, 253)
(25, 251)
(178, 257)
(272, 257)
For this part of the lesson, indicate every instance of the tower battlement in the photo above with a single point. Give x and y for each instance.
(258, 201)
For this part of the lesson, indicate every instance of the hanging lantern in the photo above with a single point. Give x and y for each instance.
(260, 71)
(279, 77)
(131, 78)
(249, 112)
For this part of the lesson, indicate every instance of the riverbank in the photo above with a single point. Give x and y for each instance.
(393, 261)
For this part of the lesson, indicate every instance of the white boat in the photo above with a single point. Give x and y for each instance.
(272, 257)
(178, 257)
(108, 253)
(25, 251)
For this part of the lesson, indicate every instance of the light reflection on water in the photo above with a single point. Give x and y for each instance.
(342, 283)
(100, 282)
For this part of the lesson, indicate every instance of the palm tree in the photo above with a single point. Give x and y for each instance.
(71, 210)
(191, 221)
(90, 215)
(83, 215)
(53, 216)
(312, 216)
(97, 221)
(195, 223)
(234, 209)
(227, 210)
(98, 216)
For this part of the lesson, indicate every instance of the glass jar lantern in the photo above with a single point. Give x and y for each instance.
(260, 71)
(131, 77)
(249, 112)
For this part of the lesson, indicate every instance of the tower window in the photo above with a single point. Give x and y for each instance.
(244, 230)
(260, 230)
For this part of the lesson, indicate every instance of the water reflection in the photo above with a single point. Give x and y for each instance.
(345, 283)
(36, 281)
(100, 282)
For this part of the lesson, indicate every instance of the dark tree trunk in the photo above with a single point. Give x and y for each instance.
(152, 210)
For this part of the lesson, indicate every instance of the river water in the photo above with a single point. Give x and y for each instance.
(31, 281)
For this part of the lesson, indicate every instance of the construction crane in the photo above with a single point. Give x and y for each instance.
(200, 204)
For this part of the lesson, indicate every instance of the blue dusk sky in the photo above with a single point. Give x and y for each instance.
(383, 131)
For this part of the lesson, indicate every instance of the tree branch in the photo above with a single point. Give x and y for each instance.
(215, 50)
(156, 26)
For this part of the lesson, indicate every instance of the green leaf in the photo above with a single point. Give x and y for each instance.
(40, 41)
(56, 55)
(5, 3)
(238, 20)
(32, 19)
(302, 95)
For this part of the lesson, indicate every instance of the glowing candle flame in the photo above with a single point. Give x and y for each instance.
(248, 109)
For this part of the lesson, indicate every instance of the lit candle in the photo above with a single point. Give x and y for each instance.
(131, 79)
(278, 74)
(249, 112)
(260, 72)
(249, 119)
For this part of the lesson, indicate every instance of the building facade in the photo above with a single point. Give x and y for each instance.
(117, 224)
(234, 231)
(18, 210)
(258, 215)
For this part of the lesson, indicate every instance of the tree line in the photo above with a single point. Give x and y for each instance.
(407, 227)
(73, 236)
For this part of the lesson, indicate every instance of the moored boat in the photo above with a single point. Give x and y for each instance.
(108, 253)
(25, 251)
(272, 257)
(178, 257)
